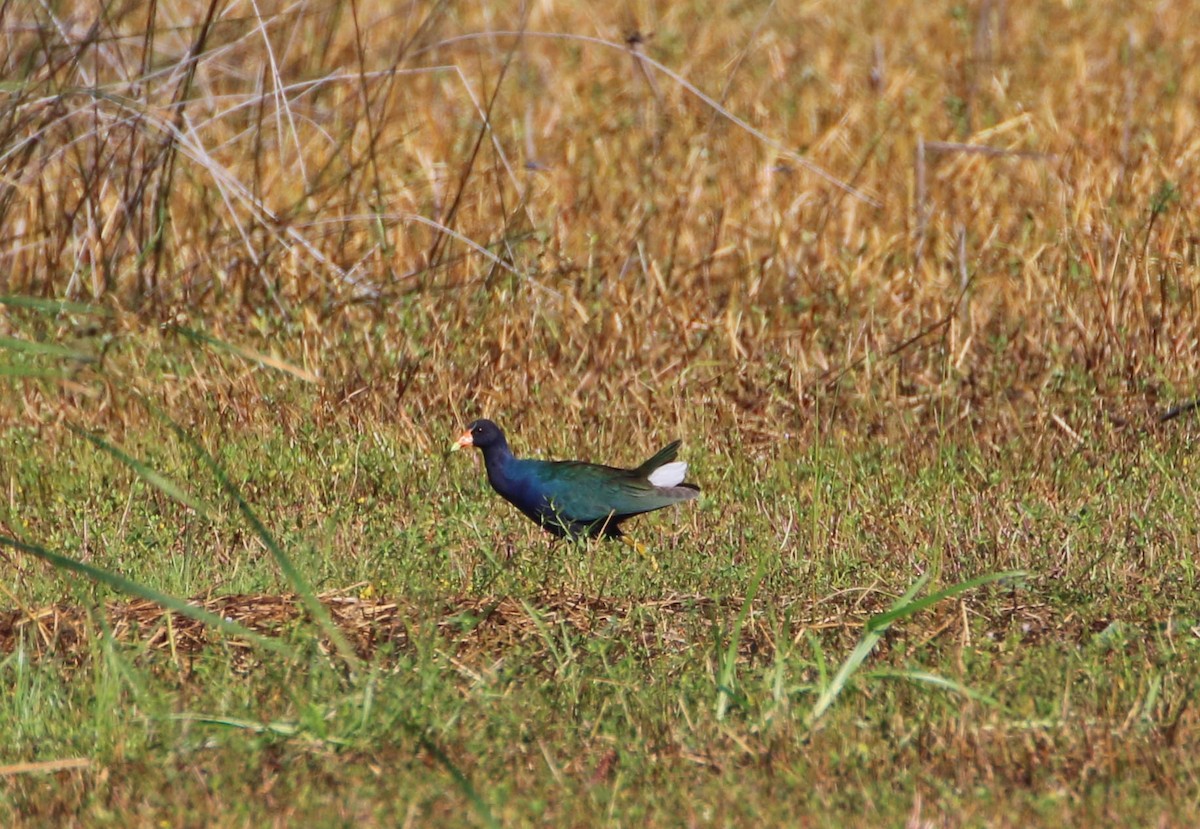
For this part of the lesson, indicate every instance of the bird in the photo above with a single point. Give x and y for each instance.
(574, 499)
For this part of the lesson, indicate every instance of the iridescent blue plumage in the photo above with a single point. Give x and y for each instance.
(572, 498)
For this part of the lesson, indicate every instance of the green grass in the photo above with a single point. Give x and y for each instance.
(576, 684)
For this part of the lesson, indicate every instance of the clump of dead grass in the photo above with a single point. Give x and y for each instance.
(470, 624)
(475, 627)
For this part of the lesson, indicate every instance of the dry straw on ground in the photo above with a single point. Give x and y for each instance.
(470, 625)
(475, 627)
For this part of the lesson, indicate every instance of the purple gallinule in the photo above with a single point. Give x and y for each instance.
(574, 499)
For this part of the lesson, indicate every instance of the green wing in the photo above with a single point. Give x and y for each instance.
(588, 492)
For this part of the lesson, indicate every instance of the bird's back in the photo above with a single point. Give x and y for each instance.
(575, 495)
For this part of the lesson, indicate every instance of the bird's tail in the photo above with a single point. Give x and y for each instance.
(661, 458)
(666, 474)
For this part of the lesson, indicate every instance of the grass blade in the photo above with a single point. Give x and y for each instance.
(44, 349)
(877, 625)
(857, 656)
(147, 474)
(936, 681)
(289, 730)
(32, 372)
(884, 620)
(460, 780)
(307, 596)
(132, 588)
(53, 306)
(246, 353)
(728, 668)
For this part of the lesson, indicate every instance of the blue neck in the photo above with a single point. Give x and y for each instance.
(495, 459)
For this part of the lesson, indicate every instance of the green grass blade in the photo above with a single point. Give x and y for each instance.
(246, 354)
(20, 346)
(307, 596)
(936, 681)
(279, 729)
(32, 372)
(884, 620)
(53, 306)
(460, 780)
(728, 670)
(147, 474)
(857, 656)
(132, 588)
(819, 656)
(877, 625)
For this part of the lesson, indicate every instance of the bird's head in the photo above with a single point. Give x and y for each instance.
(480, 434)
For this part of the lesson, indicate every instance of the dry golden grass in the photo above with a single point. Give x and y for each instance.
(322, 193)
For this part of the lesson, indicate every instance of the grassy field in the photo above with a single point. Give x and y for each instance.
(915, 284)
